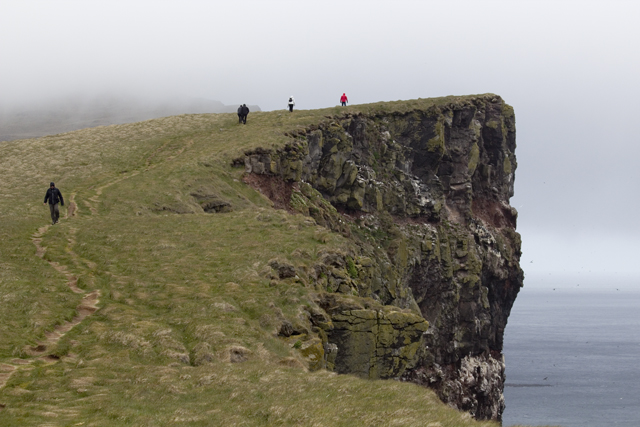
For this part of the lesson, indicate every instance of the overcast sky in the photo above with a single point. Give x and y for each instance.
(569, 68)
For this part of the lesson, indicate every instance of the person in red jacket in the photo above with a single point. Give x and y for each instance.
(343, 100)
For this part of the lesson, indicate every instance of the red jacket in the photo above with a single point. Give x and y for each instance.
(343, 98)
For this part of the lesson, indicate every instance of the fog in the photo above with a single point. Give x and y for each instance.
(569, 68)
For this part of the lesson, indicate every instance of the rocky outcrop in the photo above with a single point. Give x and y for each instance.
(423, 192)
(373, 342)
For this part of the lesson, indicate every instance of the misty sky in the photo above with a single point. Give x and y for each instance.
(569, 68)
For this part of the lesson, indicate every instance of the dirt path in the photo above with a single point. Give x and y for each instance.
(94, 200)
(88, 303)
(5, 374)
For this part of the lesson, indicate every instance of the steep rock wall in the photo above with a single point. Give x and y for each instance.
(424, 194)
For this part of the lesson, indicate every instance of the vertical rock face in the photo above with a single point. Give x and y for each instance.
(424, 194)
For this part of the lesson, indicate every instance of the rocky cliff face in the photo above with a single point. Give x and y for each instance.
(425, 294)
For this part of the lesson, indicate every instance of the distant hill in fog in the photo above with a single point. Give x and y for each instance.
(72, 114)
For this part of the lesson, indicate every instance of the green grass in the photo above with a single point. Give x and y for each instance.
(183, 292)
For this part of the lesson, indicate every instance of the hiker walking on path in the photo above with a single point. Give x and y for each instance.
(54, 196)
(245, 113)
(343, 100)
(292, 102)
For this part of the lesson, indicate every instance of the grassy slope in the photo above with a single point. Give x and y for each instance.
(174, 288)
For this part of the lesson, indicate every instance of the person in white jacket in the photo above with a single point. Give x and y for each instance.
(292, 102)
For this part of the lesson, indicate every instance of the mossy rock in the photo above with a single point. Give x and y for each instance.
(377, 343)
(474, 156)
(506, 165)
(313, 352)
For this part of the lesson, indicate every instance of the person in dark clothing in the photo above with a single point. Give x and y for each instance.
(240, 109)
(291, 103)
(54, 197)
(245, 113)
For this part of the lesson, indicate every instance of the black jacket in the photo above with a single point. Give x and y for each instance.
(245, 110)
(54, 196)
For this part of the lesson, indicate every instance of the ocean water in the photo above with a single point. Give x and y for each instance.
(572, 350)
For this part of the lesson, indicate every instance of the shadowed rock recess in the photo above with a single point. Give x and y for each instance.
(425, 294)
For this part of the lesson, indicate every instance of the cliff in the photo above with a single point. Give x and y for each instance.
(382, 246)
(425, 292)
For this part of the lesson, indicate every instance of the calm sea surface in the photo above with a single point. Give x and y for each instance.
(573, 355)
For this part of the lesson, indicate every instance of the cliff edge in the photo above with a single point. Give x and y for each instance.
(426, 289)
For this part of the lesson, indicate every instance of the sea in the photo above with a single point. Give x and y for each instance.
(572, 351)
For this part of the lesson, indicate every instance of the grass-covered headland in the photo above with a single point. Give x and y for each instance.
(142, 309)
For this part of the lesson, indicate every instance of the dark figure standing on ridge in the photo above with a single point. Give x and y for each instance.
(291, 103)
(54, 196)
(245, 113)
(240, 114)
(343, 100)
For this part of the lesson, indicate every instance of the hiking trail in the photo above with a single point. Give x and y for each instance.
(88, 304)
(90, 299)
